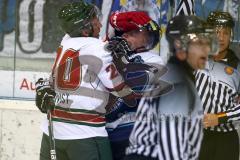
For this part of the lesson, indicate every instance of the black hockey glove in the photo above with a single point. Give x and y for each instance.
(120, 52)
(119, 46)
(44, 95)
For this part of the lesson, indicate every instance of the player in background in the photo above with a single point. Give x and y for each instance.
(218, 86)
(83, 75)
(121, 117)
(169, 127)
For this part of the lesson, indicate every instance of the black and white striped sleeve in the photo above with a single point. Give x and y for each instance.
(233, 114)
(217, 98)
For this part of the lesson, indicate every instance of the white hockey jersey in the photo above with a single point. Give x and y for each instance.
(82, 76)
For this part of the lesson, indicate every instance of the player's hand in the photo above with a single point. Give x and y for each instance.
(119, 47)
(44, 95)
(210, 120)
(121, 52)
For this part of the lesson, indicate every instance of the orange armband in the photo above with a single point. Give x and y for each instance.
(222, 117)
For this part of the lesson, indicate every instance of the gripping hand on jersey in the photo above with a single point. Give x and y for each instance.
(121, 52)
(44, 95)
(119, 46)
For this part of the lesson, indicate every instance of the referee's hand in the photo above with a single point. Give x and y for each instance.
(210, 120)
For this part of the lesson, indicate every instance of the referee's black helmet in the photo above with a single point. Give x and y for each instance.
(220, 19)
(190, 28)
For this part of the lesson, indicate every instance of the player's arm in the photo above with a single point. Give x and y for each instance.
(113, 81)
(99, 61)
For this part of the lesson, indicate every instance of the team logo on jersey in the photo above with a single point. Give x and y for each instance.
(229, 70)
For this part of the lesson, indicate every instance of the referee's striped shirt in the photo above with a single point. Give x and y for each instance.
(169, 127)
(218, 87)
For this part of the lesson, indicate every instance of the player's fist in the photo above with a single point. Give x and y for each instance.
(44, 95)
(128, 21)
(121, 52)
(119, 46)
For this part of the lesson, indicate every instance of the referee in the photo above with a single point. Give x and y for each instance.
(169, 127)
(218, 87)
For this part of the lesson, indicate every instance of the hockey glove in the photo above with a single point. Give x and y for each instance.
(121, 52)
(119, 46)
(44, 95)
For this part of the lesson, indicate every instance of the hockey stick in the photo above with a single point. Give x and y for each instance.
(45, 103)
(50, 130)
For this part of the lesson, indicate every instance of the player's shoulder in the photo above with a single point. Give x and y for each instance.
(91, 41)
(87, 45)
(222, 69)
(151, 57)
(94, 46)
(81, 41)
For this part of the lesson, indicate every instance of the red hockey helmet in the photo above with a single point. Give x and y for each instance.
(136, 20)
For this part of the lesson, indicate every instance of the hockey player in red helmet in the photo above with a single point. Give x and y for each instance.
(137, 30)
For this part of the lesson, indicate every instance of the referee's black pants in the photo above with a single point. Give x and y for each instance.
(138, 157)
(219, 146)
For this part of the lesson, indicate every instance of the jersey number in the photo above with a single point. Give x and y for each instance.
(69, 70)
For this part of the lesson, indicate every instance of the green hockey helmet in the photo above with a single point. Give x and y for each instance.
(76, 16)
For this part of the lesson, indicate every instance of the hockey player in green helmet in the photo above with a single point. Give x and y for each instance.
(82, 77)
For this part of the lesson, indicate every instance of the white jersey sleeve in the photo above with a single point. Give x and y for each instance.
(101, 64)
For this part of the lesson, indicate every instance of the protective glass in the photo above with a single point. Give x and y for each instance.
(153, 34)
(209, 39)
(153, 39)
